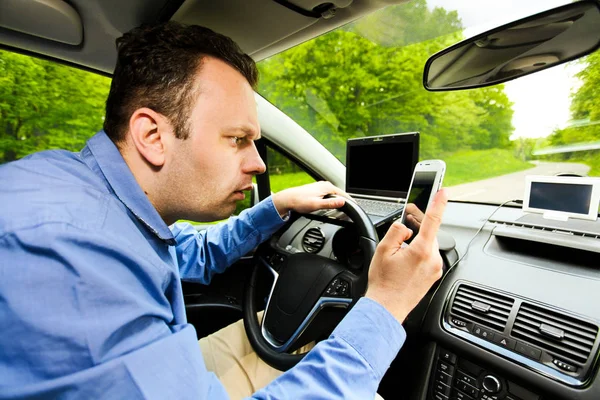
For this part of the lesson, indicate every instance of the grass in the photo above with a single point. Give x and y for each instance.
(474, 165)
(283, 181)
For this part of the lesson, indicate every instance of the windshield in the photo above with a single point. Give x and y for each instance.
(365, 79)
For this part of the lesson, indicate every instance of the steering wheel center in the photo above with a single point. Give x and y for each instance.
(304, 284)
(302, 281)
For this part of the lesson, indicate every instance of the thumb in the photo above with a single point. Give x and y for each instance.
(395, 236)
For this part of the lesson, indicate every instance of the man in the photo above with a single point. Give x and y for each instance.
(91, 304)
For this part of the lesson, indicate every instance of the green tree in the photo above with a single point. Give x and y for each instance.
(585, 105)
(366, 79)
(45, 105)
(585, 114)
(585, 108)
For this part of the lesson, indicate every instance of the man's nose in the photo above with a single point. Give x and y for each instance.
(255, 164)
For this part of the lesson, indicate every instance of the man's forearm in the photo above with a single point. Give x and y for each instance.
(202, 254)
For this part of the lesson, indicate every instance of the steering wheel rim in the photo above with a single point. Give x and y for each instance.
(309, 270)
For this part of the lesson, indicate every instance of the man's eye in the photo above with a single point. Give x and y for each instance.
(237, 140)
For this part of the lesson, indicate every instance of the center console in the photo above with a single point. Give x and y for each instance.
(455, 378)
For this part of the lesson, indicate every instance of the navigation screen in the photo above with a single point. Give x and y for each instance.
(572, 198)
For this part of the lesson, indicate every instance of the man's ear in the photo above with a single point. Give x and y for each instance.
(148, 130)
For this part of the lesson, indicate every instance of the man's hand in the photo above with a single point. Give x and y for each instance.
(308, 198)
(399, 277)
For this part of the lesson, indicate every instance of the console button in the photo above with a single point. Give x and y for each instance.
(276, 260)
(487, 334)
(338, 288)
(528, 351)
(483, 333)
(456, 395)
(445, 367)
(461, 376)
(441, 388)
(468, 389)
(447, 356)
(439, 396)
(491, 384)
(504, 341)
(443, 377)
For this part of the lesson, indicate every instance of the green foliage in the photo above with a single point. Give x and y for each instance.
(523, 147)
(585, 108)
(591, 159)
(575, 134)
(474, 165)
(585, 111)
(366, 79)
(585, 105)
(44, 105)
(406, 24)
(281, 164)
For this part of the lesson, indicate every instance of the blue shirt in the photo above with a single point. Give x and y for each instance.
(91, 304)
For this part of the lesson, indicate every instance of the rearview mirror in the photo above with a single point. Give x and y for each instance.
(516, 49)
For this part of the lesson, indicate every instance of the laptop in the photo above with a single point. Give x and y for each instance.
(378, 173)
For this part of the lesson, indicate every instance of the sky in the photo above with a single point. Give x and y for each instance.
(541, 100)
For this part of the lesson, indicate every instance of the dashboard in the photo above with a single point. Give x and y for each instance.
(517, 318)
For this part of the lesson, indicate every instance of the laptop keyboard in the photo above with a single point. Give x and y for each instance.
(379, 208)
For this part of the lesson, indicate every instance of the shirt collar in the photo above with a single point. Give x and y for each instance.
(123, 183)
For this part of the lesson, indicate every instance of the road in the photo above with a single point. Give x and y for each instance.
(511, 186)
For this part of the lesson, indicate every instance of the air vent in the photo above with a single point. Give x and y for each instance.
(482, 307)
(313, 240)
(561, 335)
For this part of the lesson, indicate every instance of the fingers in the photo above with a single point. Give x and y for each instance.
(395, 236)
(433, 217)
(328, 188)
(330, 202)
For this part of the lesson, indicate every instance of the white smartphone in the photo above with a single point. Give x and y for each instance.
(426, 181)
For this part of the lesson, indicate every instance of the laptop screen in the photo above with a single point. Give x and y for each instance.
(381, 165)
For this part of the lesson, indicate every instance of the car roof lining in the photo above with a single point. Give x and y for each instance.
(261, 27)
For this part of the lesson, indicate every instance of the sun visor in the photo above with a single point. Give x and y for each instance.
(61, 22)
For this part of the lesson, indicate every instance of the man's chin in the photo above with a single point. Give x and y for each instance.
(216, 212)
(221, 214)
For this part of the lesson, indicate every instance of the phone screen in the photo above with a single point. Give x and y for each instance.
(416, 204)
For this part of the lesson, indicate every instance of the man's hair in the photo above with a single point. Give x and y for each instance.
(156, 67)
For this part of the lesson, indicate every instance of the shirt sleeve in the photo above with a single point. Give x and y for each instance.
(202, 254)
(87, 316)
(348, 365)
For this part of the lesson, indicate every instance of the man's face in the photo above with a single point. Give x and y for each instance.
(210, 170)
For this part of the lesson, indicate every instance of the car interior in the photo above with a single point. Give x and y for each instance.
(514, 315)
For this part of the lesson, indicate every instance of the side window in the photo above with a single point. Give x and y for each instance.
(45, 105)
(285, 173)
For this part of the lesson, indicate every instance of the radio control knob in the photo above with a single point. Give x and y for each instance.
(491, 384)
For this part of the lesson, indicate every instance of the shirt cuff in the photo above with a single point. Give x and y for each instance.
(266, 218)
(374, 333)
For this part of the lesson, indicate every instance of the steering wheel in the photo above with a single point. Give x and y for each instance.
(304, 284)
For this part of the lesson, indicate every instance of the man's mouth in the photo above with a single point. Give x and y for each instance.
(240, 192)
(245, 188)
